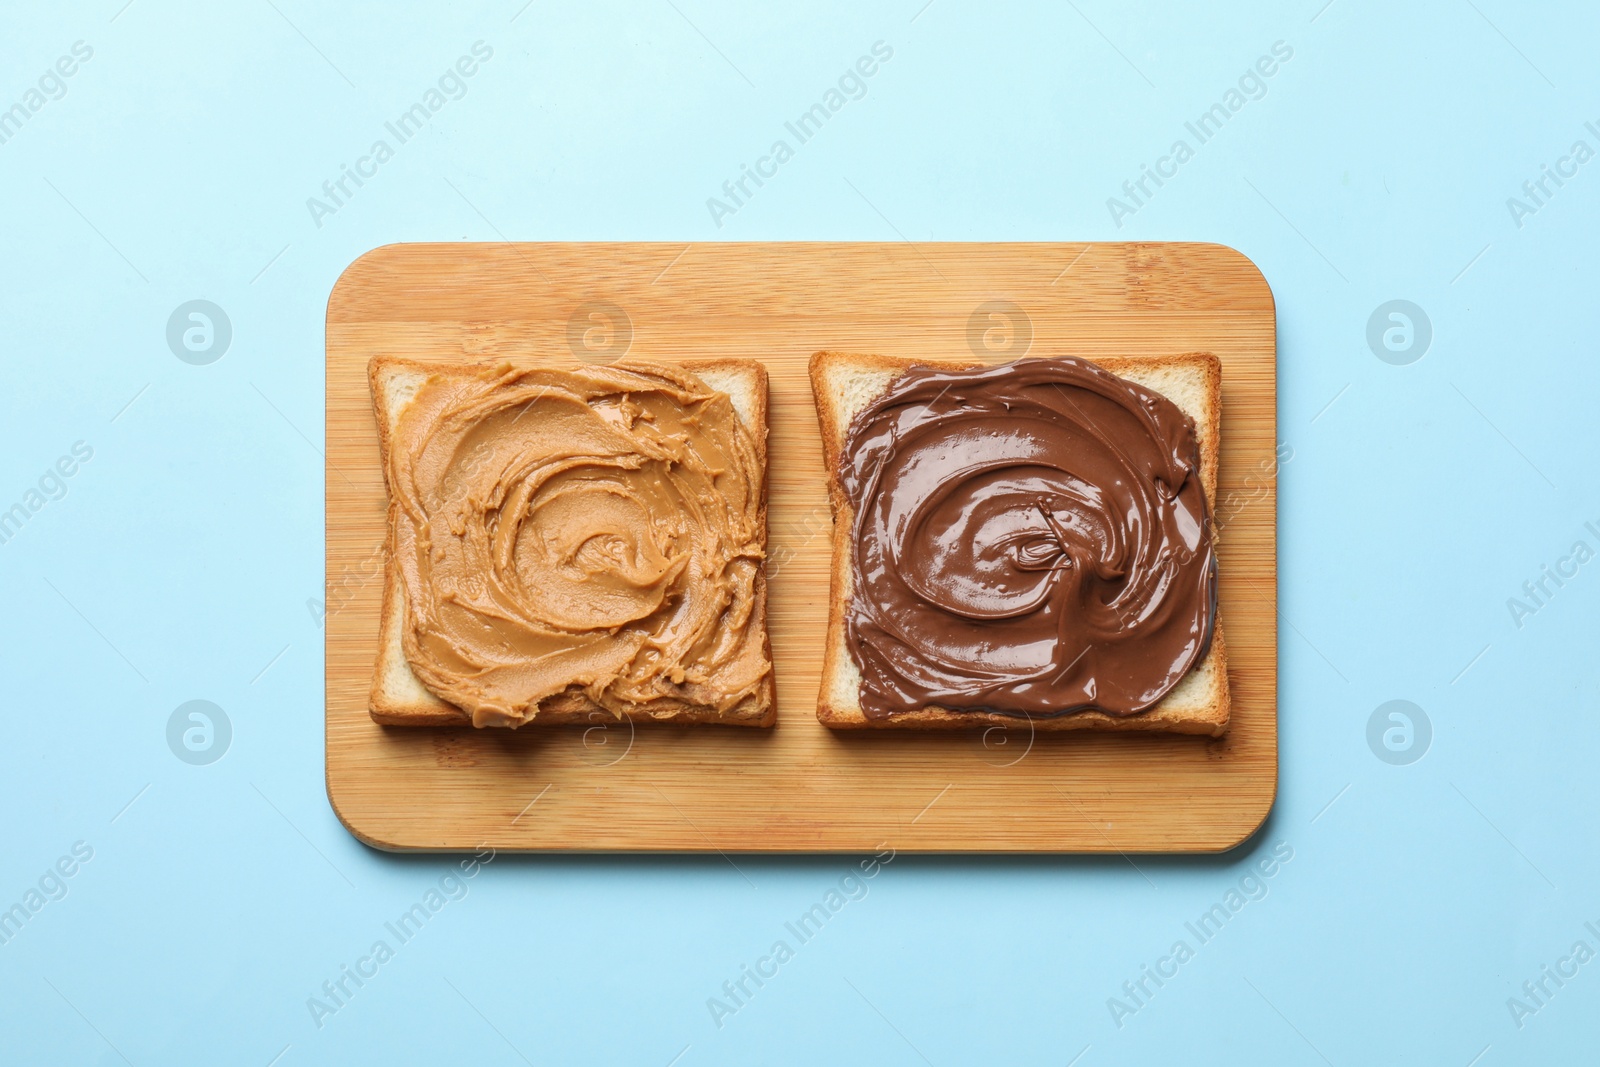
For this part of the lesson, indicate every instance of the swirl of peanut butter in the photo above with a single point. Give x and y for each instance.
(598, 529)
(1030, 538)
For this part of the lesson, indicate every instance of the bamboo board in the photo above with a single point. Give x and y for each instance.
(800, 787)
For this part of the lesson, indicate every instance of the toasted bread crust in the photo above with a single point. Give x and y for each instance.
(421, 707)
(840, 711)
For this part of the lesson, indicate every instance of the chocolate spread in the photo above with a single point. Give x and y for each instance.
(598, 527)
(1030, 538)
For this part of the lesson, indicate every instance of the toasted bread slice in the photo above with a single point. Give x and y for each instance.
(399, 698)
(844, 383)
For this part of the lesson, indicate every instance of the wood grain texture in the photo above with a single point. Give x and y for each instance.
(799, 786)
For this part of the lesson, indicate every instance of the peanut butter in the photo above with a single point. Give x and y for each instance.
(597, 528)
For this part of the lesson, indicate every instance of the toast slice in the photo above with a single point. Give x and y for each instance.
(844, 383)
(399, 698)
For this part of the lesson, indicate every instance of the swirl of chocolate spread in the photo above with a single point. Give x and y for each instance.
(1030, 538)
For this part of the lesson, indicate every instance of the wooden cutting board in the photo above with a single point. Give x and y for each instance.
(800, 787)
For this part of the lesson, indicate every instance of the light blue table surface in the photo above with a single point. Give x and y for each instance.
(1424, 904)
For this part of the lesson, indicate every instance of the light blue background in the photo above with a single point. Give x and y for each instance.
(1418, 500)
